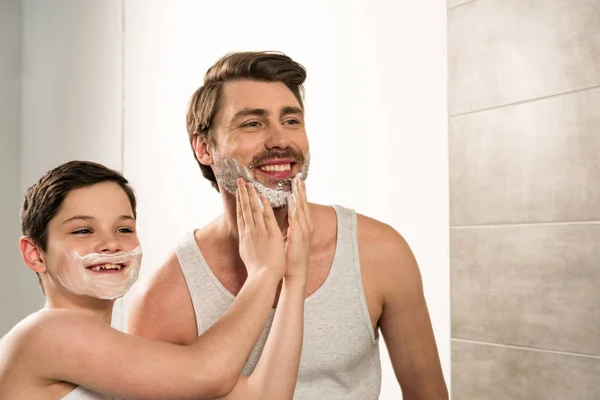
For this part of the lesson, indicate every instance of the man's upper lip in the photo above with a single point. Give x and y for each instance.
(278, 161)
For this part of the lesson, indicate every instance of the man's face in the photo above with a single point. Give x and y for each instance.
(95, 219)
(260, 136)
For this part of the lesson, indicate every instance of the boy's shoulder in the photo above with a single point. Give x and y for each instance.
(16, 345)
(36, 329)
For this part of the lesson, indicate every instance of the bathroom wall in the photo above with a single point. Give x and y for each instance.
(15, 276)
(524, 101)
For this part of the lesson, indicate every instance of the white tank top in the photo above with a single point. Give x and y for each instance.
(340, 353)
(81, 393)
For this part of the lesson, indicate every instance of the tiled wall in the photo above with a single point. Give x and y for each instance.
(524, 100)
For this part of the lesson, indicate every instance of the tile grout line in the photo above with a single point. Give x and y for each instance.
(451, 116)
(509, 225)
(461, 4)
(564, 353)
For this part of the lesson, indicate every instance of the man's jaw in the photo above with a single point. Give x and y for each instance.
(276, 174)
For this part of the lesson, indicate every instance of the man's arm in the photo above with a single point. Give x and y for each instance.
(405, 322)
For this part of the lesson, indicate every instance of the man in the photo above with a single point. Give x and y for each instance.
(247, 120)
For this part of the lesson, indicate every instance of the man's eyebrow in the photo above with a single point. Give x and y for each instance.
(291, 110)
(261, 112)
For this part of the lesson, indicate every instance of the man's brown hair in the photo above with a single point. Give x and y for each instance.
(44, 199)
(256, 66)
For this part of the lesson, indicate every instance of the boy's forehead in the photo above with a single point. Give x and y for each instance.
(98, 199)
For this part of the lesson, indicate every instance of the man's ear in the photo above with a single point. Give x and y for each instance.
(32, 255)
(202, 149)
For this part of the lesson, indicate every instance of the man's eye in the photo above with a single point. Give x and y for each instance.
(291, 122)
(81, 231)
(251, 124)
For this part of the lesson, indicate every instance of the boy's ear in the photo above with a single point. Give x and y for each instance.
(202, 149)
(32, 255)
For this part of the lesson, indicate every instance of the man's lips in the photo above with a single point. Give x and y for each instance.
(279, 169)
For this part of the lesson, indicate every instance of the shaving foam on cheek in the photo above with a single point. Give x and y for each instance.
(228, 170)
(78, 278)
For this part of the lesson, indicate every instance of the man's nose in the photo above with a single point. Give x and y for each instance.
(278, 137)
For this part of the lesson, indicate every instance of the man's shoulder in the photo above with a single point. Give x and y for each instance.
(382, 248)
(169, 273)
(166, 273)
(160, 288)
(161, 307)
(378, 234)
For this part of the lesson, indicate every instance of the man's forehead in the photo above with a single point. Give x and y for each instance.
(246, 94)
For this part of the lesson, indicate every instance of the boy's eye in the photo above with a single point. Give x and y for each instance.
(125, 230)
(81, 231)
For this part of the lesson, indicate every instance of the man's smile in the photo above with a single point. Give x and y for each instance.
(277, 169)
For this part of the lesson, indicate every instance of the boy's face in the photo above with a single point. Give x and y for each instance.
(95, 219)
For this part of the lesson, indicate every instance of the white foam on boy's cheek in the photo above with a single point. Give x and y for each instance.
(80, 280)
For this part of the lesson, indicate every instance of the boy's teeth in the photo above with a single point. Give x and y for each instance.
(106, 267)
(276, 167)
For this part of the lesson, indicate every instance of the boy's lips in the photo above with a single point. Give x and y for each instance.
(107, 268)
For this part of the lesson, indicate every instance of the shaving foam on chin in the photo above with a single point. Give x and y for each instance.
(79, 279)
(228, 170)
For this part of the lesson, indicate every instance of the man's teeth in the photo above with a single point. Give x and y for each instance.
(106, 267)
(276, 167)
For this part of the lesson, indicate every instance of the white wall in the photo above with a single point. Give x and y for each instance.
(376, 114)
(15, 277)
(72, 84)
(71, 92)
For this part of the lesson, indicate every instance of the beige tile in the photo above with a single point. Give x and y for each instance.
(454, 3)
(482, 372)
(532, 162)
(505, 51)
(533, 286)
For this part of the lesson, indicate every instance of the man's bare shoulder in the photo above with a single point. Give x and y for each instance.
(380, 241)
(386, 256)
(161, 307)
